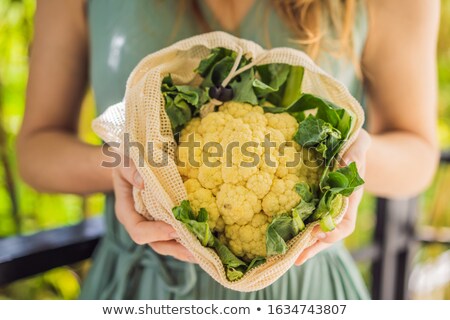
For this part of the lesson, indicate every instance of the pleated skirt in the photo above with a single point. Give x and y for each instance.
(124, 270)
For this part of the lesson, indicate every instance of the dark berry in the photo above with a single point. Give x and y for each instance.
(226, 94)
(214, 92)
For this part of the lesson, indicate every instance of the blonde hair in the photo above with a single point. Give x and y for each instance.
(320, 24)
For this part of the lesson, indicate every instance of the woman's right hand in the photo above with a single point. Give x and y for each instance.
(159, 235)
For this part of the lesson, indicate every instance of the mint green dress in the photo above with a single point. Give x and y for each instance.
(121, 34)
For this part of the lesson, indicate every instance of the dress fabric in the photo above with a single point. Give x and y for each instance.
(121, 34)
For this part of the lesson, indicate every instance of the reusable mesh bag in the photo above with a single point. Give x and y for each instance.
(142, 116)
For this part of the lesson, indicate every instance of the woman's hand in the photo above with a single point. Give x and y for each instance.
(157, 234)
(356, 153)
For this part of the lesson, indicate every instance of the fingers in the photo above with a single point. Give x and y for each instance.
(157, 234)
(342, 230)
(346, 226)
(140, 229)
(147, 232)
(358, 150)
(130, 174)
(311, 252)
(174, 249)
(356, 153)
(327, 239)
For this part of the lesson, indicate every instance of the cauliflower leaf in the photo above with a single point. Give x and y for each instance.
(198, 225)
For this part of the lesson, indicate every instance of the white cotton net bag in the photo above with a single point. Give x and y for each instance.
(142, 117)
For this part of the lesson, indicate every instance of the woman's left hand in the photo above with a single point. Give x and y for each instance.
(356, 153)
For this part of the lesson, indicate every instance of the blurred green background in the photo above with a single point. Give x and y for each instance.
(24, 211)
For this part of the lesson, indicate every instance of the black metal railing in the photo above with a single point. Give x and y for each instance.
(24, 256)
(395, 243)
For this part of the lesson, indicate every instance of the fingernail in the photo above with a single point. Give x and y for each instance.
(173, 235)
(138, 180)
(299, 262)
(321, 235)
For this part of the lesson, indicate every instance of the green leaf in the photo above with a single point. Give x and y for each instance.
(202, 215)
(327, 223)
(181, 102)
(278, 232)
(304, 191)
(293, 89)
(257, 261)
(334, 185)
(337, 180)
(179, 114)
(167, 83)
(345, 124)
(216, 67)
(273, 76)
(234, 274)
(313, 131)
(214, 57)
(336, 205)
(283, 226)
(333, 144)
(196, 97)
(327, 112)
(323, 206)
(226, 256)
(304, 209)
(202, 231)
(275, 244)
(338, 118)
(343, 180)
(262, 89)
(218, 72)
(299, 116)
(306, 102)
(188, 94)
(306, 206)
(270, 107)
(197, 225)
(242, 86)
(183, 212)
(297, 222)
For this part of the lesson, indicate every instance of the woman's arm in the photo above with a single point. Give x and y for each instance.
(51, 157)
(400, 71)
(399, 65)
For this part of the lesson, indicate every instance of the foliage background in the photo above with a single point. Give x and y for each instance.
(24, 211)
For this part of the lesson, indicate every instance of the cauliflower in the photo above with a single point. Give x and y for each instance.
(190, 142)
(251, 173)
(260, 183)
(210, 177)
(237, 204)
(311, 166)
(236, 109)
(200, 197)
(212, 125)
(244, 173)
(290, 161)
(282, 196)
(248, 241)
(283, 122)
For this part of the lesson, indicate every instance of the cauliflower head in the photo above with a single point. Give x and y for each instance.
(242, 170)
(248, 241)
